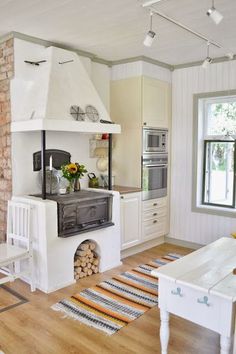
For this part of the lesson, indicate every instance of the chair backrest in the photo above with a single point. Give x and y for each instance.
(18, 224)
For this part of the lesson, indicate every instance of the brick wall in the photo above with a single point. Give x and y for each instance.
(6, 73)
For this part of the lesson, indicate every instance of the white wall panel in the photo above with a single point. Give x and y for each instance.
(185, 224)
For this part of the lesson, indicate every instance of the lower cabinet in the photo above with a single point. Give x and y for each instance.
(142, 220)
(154, 218)
(130, 219)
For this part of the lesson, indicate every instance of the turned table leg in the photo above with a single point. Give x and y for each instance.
(225, 345)
(164, 331)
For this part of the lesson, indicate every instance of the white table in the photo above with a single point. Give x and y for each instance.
(201, 287)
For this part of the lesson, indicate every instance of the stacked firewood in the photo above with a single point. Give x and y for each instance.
(86, 260)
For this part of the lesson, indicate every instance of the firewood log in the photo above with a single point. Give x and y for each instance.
(90, 272)
(83, 246)
(95, 270)
(78, 269)
(81, 253)
(95, 262)
(89, 265)
(85, 269)
(83, 264)
(92, 245)
(89, 252)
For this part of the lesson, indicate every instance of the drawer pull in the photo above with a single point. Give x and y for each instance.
(122, 197)
(177, 292)
(204, 301)
(154, 204)
(154, 214)
(154, 221)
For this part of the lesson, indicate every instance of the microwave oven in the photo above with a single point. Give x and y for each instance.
(155, 140)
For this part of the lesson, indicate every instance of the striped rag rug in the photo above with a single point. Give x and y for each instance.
(114, 303)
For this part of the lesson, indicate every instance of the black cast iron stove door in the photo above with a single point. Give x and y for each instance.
(83, 211)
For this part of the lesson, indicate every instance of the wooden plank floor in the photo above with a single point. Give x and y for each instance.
(34, 328)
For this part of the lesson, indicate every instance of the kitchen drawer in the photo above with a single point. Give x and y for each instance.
(154, 214)
(154, 203)
(154, 228)
(192, 304)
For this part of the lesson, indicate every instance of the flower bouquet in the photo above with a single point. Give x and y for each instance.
(73, 172)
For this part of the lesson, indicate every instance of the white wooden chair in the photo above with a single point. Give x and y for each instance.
(18, 246)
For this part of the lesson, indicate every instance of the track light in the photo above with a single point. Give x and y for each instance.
(230, 56)
(215, 15)
(208, 59)
(150, 34)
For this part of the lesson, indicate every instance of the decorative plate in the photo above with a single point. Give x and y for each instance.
(92, 113)
(77, 113)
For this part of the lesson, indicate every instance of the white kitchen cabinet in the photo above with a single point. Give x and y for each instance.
(141, 101)
(154, 218)
(155, 103)
(130, 205)
(136, 102)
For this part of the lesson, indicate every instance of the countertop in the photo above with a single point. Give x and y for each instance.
(124, 190)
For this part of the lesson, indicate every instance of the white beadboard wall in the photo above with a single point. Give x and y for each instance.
(138, 68)
(185, 224)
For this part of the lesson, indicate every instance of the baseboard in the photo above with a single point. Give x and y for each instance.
(182, 243)
(142, 247)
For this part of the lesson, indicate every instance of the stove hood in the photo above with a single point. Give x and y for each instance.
(41, 95)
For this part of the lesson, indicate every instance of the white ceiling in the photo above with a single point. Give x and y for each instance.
(114, 29)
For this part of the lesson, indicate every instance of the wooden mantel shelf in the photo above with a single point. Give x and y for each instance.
(64, 125)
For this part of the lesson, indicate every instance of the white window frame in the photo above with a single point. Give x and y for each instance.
(200, 126)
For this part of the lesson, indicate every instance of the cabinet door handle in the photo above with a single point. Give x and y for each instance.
(177, 292)
(154, 214)
(154, 204)
(203, 301)
(122, 197)
(144, 123)
(154, 221)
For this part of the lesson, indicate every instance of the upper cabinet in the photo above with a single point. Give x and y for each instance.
(156, 103)
(141, 101)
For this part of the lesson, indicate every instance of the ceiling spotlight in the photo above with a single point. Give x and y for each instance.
(150, 34)
(215, 15)
(230, 56)
(208, 59)
(150, 3)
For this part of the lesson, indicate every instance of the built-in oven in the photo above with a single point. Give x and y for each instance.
(154, 176)
(154, 141)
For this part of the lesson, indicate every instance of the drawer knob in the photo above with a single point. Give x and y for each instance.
(122, 197)
(154, 214)
(154, 221)
(203, 301)
(154, 204)
(177, 292)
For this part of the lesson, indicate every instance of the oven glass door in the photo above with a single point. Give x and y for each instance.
(154, 181)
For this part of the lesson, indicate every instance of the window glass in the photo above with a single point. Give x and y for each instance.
(221, 118)
(218, 180)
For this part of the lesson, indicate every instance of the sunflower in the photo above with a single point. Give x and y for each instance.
(72, 168)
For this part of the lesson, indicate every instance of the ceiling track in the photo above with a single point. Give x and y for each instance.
(177, 23)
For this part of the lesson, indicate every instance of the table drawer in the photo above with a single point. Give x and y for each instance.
(154, 203)
(194, 305)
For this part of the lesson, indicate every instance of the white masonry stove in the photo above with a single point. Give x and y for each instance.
(54, 256)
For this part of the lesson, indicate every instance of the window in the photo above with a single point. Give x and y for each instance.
(215, 150)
